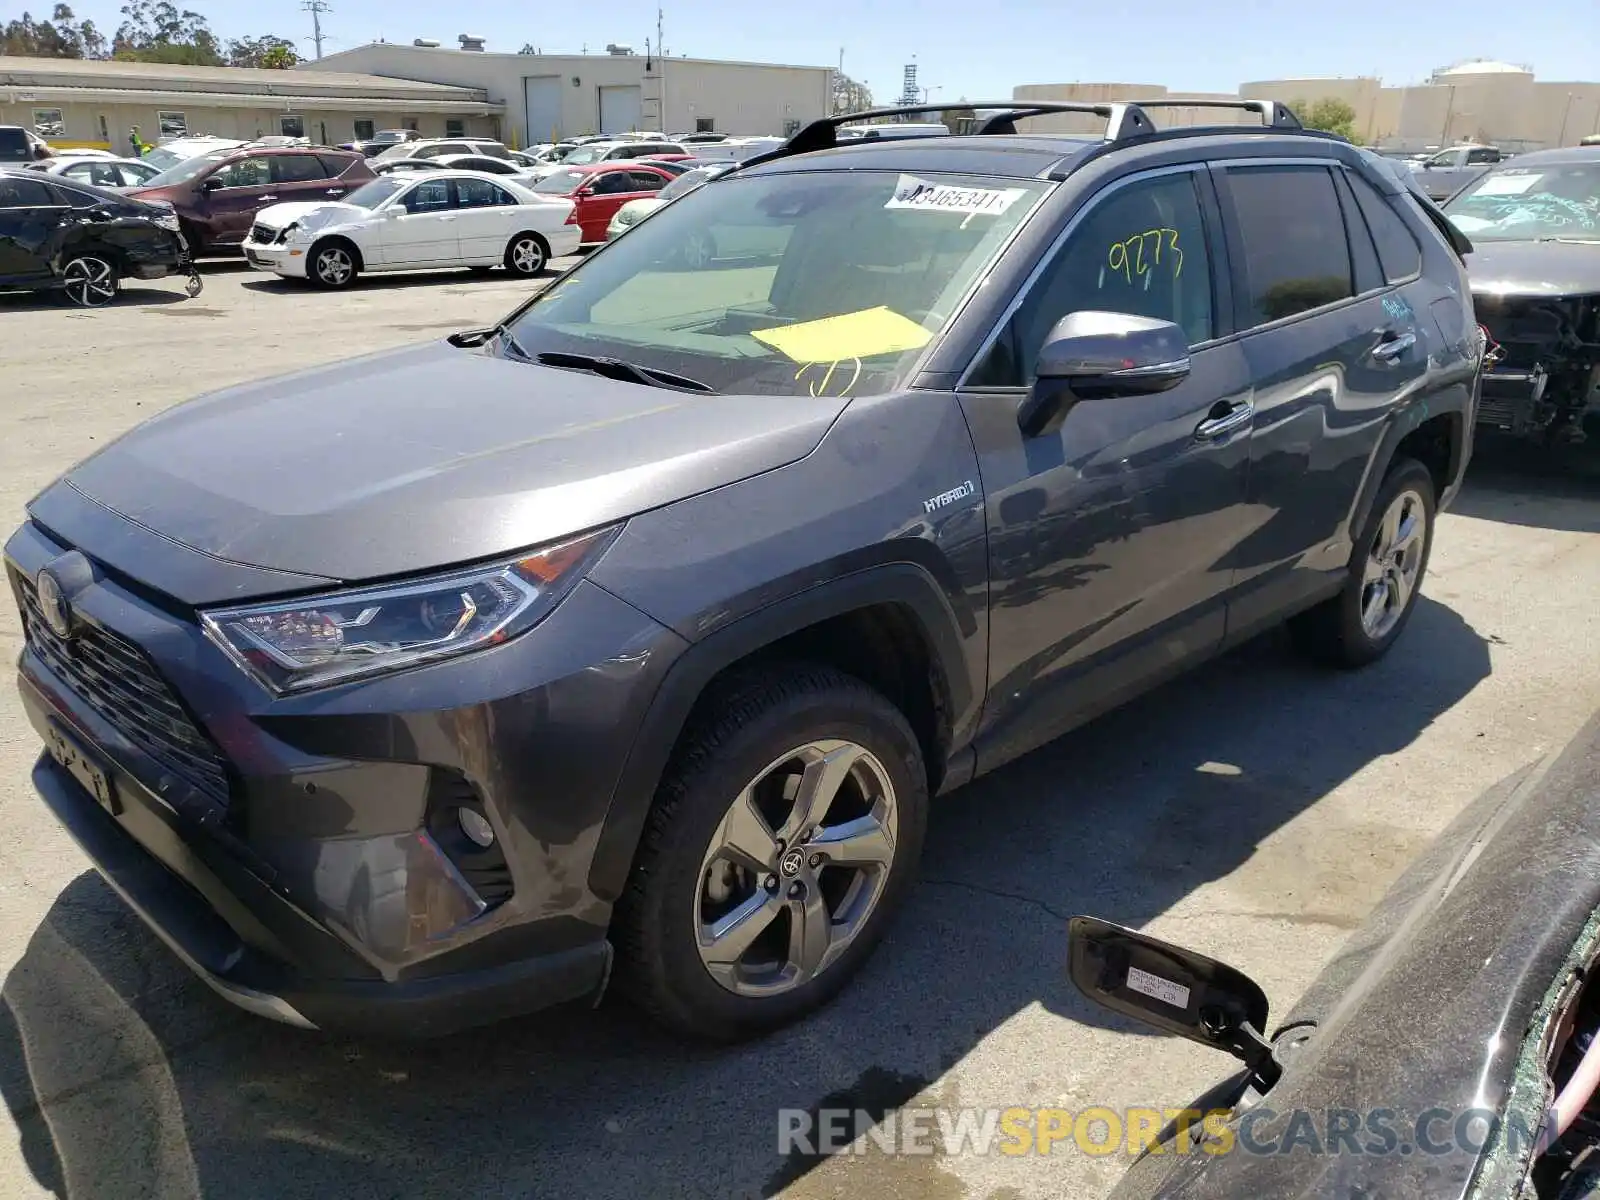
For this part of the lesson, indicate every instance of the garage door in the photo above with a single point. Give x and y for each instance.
(619, 108)
(542, 95)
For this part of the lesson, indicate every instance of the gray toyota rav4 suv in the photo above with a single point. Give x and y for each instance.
(627, 641)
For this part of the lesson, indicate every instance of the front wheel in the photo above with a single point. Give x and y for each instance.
(333, 265)
(90, 281)
(782, 839)
(1359, 625)
(527, 254)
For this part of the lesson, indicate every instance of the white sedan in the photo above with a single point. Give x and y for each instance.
(107, 171)
(414, 221)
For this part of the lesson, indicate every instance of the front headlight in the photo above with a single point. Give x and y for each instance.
(167, 220)
(294, 232)
(313, 641)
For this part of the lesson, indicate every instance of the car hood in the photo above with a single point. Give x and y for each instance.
(425, 457)
(311, 214)
(1534, 268)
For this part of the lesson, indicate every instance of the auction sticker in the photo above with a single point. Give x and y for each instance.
(1507, 184)
(1158, 988)
(912, 192)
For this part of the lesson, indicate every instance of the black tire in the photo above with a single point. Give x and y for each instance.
(527, 254)
(333, 263)
(747, 725)
(1334, 632)
(90, 278)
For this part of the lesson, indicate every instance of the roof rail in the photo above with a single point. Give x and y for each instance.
(1274, 114)
(1124, 119)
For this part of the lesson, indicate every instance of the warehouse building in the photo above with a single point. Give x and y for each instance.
(1480, 101)
(72, 102)
(551, 96)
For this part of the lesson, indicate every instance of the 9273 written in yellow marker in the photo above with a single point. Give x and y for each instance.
(1142, 253)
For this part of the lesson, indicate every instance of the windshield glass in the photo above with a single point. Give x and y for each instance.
(375, 191)
(583, 155)
(562, 183)
(187, 169)
(821, 284)
(1528, 203)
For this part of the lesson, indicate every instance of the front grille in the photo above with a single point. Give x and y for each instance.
(119, 682)
(263, 235)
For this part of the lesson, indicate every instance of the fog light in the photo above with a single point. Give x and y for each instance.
(477, 828)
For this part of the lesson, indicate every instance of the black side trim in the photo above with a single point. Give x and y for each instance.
(894, 583)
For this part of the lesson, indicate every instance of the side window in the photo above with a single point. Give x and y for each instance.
(430, 196)
(611, 182)
(646, 181)
(1483, 156)
(479, 193)
(1140, 249)
(1286, 216)
(494, 150)
(1367, 274)
(246, 172)
(1397, 247)
(333, 166)
(25, 193)
(297, 168)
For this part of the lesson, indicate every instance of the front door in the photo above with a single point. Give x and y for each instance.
(1111, 538)
(424, 234)
(233, 194)
(1310, 278)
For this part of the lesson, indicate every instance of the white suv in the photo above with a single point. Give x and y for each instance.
(434, 147)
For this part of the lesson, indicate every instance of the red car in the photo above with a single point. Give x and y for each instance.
(218, 195)
(598, 191)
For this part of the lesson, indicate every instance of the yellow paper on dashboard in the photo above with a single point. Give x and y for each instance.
(850, 335)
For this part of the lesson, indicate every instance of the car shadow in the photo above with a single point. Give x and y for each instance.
(130, 296)
(400, 280)
(125, 1076)
(1518, 483)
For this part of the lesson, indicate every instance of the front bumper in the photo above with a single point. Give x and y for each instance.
(317, 882)
(281, 257)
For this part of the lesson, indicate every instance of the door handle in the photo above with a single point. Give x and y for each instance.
(1393, 346)
(444, 219)
(1232, 417)
(335, 192)
(264, 199)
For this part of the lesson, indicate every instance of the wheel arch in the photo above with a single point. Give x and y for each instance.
(889, 626)
(343, 240)
(1436, 436)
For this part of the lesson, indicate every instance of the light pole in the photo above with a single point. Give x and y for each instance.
(1561, 138)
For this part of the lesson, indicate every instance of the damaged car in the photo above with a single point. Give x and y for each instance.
(1535, 269)
(84, 241)
(1450, 1050)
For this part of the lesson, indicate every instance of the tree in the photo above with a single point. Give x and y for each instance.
(63, 36)
(156, 31)
(269, 51)
(848, 95)
(1328, 114)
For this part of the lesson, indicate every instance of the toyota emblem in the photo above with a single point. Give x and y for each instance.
(53, 604)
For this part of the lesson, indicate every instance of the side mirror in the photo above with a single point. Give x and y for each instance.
(1097, 356)
(394, 212)
(210, 184)
(1171, 989)
(585, 190)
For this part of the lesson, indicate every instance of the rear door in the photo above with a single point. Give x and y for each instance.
(485, 212)
(425, 234)
(30, 213)
(302, 177)
(1331, 346)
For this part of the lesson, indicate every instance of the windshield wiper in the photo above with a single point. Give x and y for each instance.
(616, 368)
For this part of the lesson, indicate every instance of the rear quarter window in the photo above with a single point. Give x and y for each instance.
(1398, 250)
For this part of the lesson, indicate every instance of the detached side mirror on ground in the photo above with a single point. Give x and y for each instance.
(1171, 989)
(1097, 356)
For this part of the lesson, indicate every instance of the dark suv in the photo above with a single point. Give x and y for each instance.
(218, 195)
(629, 639)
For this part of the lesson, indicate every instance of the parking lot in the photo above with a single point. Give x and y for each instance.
(1255, 810)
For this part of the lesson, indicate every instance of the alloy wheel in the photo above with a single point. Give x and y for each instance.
(89, 282)
(1393, 564)
(527, 256)
(796, 868)
(334, 266)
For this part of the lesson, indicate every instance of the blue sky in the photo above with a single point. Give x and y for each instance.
(982, 50)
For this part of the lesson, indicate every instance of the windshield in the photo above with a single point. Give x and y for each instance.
(185, 170)
(562, 183)
(375, 191)
(583, 155)
(822, 284)
(1528, 203)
